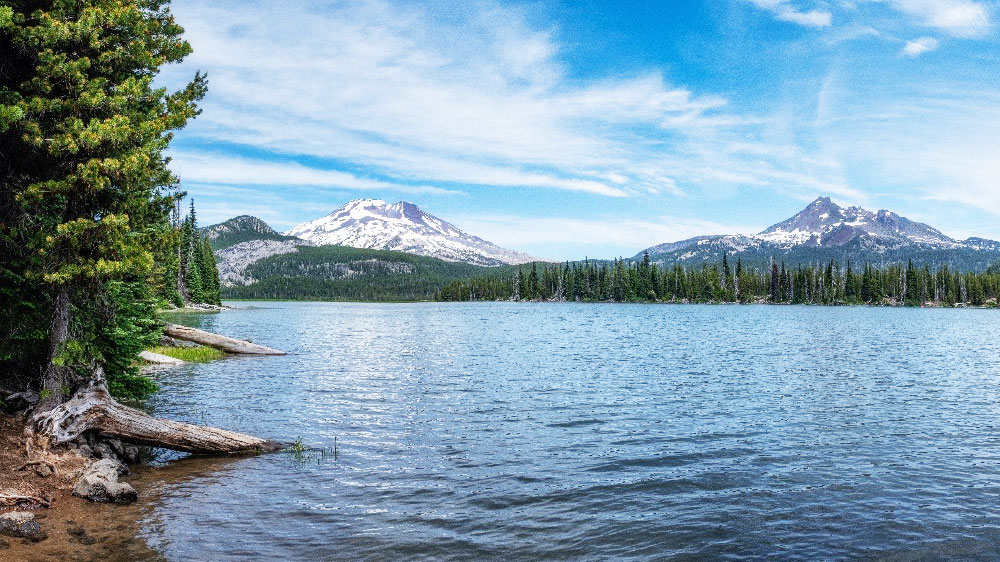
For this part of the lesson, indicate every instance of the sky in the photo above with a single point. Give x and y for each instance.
(594, 128)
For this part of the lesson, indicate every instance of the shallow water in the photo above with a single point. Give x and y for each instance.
(503, 431)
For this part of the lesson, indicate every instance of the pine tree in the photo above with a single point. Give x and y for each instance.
(86, 191)
(773, 281)
(192, 273)
(209, 274)
(911, 288)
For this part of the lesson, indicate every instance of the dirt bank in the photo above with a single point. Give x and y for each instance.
(77, 529)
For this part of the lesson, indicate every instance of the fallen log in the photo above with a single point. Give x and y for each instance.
(223, 343)
(158, 358)
(93, 409)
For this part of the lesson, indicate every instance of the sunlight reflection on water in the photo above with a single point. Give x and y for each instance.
(562, 431)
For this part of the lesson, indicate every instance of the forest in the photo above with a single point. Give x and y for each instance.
(188, 271)
(350, 274)
(829, 283)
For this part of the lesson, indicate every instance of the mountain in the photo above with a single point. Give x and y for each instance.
(240, 229)
(240, 242)
(824, 223)
(255, 261)
(403, 227)
(824, 231)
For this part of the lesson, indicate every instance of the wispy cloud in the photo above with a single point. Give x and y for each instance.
(960, 18)
(480, 98)
(226, 170)
(938, 143)
(785, 10)
(919, 46)
(496, 102)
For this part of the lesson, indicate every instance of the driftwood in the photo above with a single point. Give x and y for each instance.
(223, 343)
(93, 409)
(159, 359)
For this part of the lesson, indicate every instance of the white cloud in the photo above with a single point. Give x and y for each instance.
(784, 10)
(938, 143)
(960, 18)
(478, 98)
(919, 46)
(225, 170)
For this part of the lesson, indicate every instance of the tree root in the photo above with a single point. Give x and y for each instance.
(51, 466)
(9, 500)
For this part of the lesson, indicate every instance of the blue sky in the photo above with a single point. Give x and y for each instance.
(595, 128)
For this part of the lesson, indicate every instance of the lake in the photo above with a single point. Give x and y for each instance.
(534, 431)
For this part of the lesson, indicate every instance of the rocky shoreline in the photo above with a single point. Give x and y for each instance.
(45, 493)
(70, 504)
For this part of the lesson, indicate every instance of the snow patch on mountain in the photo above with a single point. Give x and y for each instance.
(403, 227)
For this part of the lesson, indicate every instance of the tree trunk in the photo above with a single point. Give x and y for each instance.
(93, 409)
(57, 379)
(229, 345)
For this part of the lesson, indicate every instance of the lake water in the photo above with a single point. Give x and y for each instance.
(518, 431)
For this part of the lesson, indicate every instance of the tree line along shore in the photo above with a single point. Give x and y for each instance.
(830, 283)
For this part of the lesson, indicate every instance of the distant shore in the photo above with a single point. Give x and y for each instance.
(638, 302)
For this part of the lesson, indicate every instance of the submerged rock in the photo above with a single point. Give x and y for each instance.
(21, 524)
(80, 535)
(100, 483)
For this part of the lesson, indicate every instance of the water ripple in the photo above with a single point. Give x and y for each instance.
(594, 432)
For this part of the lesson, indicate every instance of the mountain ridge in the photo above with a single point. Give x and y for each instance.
(240, 229)
(824, 230)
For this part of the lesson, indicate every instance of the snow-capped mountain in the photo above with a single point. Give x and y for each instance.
(824, 223)
(402, 227)
(825, 230)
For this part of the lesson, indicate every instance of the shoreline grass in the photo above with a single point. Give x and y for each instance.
(200, 354)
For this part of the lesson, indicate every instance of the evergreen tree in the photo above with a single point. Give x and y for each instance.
(86, 191)
(209, 274)
(534, 290)
(192, 271)
(912, 285)
(773, 282)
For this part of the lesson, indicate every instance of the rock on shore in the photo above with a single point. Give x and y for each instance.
(100, 483)
(22, 525)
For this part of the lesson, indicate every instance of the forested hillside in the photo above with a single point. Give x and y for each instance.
(345, 273)
(240, 229)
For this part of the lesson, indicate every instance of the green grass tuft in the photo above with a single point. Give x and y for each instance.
(200, 354)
